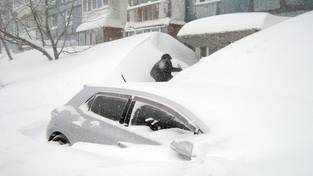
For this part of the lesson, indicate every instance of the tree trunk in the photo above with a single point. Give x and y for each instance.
(55, 52)
(7, 50)
(3, 42)
(35, 17)
(19, 46)
(15, 39)
(48, 31)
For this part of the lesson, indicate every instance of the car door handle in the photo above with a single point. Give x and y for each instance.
(94, 124)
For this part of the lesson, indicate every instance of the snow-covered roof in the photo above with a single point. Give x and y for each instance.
(230, 22)
(102, 21)
(278, 59)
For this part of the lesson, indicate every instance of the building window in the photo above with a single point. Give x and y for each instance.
(130, 33)
(105, 2)
(54, 20)
(99, 3)
(94, 4)
(207, 1)
(133, 2)
(204, 51)
(146, 13)
(84, 5)
(139, 14)
(89, 5)
(164, 29)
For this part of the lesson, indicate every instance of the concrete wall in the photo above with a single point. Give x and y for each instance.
(215, 41)
(173, 29)
(112, 33)
(178, 10)
(280, 7)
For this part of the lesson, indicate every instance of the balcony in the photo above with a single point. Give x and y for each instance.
(206, 8)
(148, 11)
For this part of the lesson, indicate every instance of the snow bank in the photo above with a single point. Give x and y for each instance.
(32, 86)
(149, 52)
(230, 22)
(32, 77)
(277, 59)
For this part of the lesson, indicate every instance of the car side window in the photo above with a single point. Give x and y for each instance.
(154, 117)
(109, 106)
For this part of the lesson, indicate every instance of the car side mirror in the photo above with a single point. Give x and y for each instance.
(183, 148)
(188, 150)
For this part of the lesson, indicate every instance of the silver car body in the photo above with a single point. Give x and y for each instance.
(79, 124)
(231, 120)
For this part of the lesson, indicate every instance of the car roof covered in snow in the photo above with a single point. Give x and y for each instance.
(230, 22)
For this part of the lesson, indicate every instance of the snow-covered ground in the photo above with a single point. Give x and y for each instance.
(264, 103)
(31, 86)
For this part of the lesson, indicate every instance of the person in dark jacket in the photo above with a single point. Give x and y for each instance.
(162, 70)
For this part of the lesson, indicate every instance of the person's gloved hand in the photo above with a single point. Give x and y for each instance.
(153, 124)
(179, 66)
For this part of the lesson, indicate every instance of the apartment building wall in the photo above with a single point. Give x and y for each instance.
(59, 14)
(203, 8)
(102, 20)
(159, 15)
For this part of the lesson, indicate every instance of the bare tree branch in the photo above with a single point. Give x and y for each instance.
(3, 41)
(26, 42)
(40, 13)
(38, 24)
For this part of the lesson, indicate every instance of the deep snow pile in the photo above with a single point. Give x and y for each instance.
(230, 22)
(32, 77)
(277, 59)
(32, 86)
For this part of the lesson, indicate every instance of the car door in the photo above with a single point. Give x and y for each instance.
(158, 121)
(105, 120)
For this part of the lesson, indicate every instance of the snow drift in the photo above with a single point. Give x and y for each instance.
(32, 77)
(31, 86)
(277, 59)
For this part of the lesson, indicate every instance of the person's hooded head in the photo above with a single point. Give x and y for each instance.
(166, 56)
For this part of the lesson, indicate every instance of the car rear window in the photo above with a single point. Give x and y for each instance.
(109, 107)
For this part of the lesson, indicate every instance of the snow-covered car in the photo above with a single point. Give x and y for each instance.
(196, 120)
(117, 116)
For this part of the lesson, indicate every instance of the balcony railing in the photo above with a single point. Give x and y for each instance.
(148, 11)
